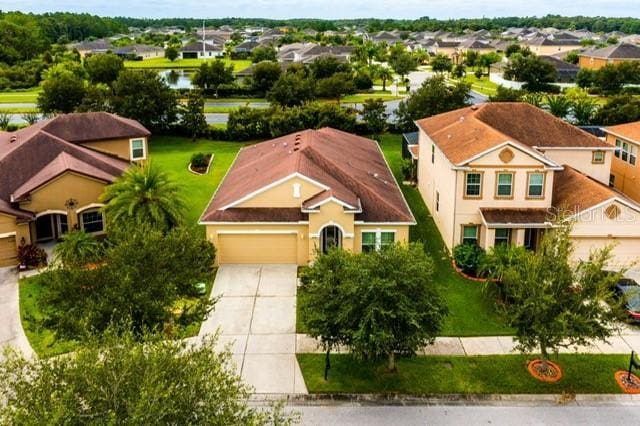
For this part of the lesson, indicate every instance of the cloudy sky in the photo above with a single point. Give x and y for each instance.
(330, 8)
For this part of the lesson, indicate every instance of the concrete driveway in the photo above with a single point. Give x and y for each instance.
(11, 332)
(256, 315)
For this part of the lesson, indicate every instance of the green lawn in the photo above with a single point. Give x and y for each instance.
(361, 97)
(423, 375)
(174, 153)
(26, 96)
(17, 111)
(157, 63)
(471, 310)
(481, 85)
(42, 339)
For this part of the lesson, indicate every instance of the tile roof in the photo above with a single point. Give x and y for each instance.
(626, 130)
(467, 132)
(616, 51)
(350, 168)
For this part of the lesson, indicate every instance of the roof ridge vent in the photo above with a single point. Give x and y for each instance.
(13, 139)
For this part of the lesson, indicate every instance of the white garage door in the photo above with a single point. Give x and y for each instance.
(257, 248)
(8, 252)
(625, 251)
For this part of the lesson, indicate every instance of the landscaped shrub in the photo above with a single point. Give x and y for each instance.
(468, 258)
(200, 160)
(31, 256)
(409, 170)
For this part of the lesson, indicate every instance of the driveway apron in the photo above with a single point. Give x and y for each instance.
(11, 332)
(256, 315)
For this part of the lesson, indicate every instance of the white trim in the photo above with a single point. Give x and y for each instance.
(331, 223)
(8, 234)
(258, 232)
(144, 149)
(81, 221)
(413, 157)
(89, 206)
(302, 222)
(378, 233)
(525, 150)
(271, 185)
(618, 135)
(622, 201)
(332, 198)
(47, 212)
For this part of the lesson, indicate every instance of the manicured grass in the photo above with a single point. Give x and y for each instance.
(481, 85)
(422, 375)
(42, 339)
(157, 63)
(193, 329)
(173, 154)
(361, 97)
(18, 111)
(471, 311)
(25, 96)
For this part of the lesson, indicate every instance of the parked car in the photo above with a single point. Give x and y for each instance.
(629, 290)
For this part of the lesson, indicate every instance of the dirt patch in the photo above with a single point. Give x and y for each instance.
(626, 383)
(551, 373)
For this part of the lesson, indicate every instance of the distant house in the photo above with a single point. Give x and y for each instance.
(386, 37)
(92, 47)
(566, 71)
(140, 51)
(246, 47)
(550, 45)
(200, 50)
(477, 45)
(309, 52)
(596, 59)
(53, 173)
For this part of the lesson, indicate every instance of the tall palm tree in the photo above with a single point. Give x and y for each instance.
(144, 195)
(385, 74)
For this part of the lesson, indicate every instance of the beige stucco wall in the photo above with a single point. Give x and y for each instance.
(550, 50)
(282, 195)
(581, 159)
(8, 225)
(54, 195)
(118, 147)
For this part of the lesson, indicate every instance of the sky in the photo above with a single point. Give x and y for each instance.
(329, 9)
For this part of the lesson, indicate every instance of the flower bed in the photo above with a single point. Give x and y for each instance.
(626, 383)
(551, 374)
(201, 169)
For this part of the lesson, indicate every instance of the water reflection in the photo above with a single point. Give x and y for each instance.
(177, 78)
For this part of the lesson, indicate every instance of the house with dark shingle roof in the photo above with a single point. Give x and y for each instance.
(285, 199)
(615, 54)
(53, 173)
(502, 173)
(200, 50)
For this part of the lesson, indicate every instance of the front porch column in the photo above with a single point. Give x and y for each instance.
(519, 237)
(489, 238)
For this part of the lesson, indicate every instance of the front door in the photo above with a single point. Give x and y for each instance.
(50, 227)
(331, 237)
(531, 238)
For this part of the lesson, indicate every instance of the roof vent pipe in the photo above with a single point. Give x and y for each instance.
(13, 139)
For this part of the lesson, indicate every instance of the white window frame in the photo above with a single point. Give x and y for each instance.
(144, 149)
(378, 233)
(467, 185)
(81, 220)
(498, 184)
(542, 189)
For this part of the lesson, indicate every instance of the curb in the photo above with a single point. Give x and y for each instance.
(364, 400)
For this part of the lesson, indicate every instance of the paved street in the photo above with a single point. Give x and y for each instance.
(11, 332)
(470, 415)
(257, 317)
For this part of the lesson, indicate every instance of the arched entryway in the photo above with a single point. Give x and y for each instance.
(51, 226)
(330, 237)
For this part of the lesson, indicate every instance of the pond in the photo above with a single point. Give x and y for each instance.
(177, 78)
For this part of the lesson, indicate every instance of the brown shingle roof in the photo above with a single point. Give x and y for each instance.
(574, 191)
(630, 131)
(256, 214)
(616, 51)
(350, 168)
(32, 156)
(497, 216)
(93, 126)
(467, 132)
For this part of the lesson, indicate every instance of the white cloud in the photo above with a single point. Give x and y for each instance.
(330, 8)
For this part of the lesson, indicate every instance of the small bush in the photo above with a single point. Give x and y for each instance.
(409, 170)
(31, 256)
(200, 160)
(468, 258)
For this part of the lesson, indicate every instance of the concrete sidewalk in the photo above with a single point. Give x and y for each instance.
(624, 343)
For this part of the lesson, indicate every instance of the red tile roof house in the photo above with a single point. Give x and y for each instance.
(53, 173)
(502, 173)
(283, 200)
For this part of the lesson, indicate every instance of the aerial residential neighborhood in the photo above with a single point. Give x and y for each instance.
(312, 217)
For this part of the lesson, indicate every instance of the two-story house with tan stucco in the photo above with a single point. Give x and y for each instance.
(286, 199)
(625, 168)
(502, 173)
(53, 173)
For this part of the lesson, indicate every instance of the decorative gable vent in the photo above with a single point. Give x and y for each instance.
(612, 212)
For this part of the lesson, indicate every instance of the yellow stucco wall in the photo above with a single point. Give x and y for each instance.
(282, 195)
(592, 63)
(627, 176)
(118, 147)
(55, 194)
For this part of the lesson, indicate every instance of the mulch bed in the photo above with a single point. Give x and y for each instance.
(552, 374)
(628, 385)
(468, 277)
(201, 170)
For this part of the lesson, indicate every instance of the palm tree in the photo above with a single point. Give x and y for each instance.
(558, 105)
(144, 196)
(384, 74)
(77, 248)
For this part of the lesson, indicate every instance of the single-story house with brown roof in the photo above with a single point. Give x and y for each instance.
(502, 173)
(53, 173)
(285, 199)
(614, 54)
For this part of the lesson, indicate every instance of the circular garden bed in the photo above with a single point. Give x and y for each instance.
(628, 383)
(551, 372)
